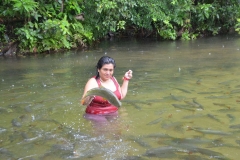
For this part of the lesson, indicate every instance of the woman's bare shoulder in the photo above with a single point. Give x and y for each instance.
(92, 79)
(92, 82)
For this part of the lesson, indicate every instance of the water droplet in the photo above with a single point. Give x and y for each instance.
(44, 85)
(33, 117)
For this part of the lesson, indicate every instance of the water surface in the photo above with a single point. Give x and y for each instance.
(183, 102)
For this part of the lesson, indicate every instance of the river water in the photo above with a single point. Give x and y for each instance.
(183, 102)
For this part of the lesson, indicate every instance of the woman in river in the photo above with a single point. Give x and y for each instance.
(104, 78)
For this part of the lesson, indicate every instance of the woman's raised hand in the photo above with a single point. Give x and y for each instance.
(128, 75)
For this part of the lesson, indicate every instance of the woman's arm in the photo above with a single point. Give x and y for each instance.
(124, 87)
(92, 83)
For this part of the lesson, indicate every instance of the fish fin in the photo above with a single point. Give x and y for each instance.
(189, 128)
(82, 101)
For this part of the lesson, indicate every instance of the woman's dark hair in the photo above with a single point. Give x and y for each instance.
(104, 60)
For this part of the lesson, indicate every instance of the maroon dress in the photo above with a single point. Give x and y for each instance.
(100, 105)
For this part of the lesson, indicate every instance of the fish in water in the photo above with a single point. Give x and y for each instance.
(209, 131)
(222, 105)
(135, 105)
(195, 101)
(105, 93)
(231, 117)
(218, 97)
(185, 107)
(214, 118)
(210, 153)
(155, 121)
(235, 91)
(238, 142)
(16, 123)
(140, 141)
(158, 135)
(192, 104)
(236, 126)
(183, 90)
(175, 98)
(162, 152)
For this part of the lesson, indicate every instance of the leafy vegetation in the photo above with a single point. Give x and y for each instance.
(238, 26)
(47, 25)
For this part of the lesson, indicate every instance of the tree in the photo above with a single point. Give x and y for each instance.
(48, 25)
(44, 25)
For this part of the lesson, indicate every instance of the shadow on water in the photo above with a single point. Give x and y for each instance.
(182, 103)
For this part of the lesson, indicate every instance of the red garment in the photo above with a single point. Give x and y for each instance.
(99, 105)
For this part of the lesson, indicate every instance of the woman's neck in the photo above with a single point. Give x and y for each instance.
(103, 81)
(108, 83)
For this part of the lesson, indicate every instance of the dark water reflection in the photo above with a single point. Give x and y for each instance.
(183, 103)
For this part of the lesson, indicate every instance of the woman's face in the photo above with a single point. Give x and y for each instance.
(106, 72)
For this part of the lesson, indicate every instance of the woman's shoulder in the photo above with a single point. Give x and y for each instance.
(92, 83)
(92, 80)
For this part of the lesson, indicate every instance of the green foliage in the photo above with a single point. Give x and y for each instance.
(103, 16)
(215, 17)
(45, 25)
(24, 7)
(2, 32)
(238, 26)
(52, 34)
